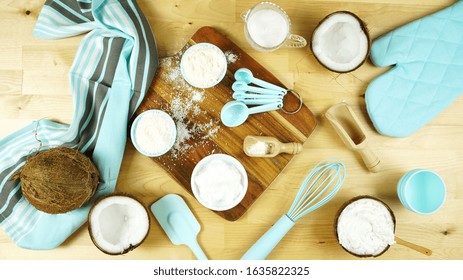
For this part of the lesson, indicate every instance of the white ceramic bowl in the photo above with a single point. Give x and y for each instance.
(169, 121)
(202, 45)
(227, 159)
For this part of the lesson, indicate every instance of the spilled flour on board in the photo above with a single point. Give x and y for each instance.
(231, 57)
(185, 104)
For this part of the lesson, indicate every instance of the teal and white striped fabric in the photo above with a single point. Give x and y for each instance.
(110, 75)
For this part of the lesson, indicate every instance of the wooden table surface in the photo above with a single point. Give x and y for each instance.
(34, 84)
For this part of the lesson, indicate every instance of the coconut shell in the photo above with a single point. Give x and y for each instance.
(58, 180)
(348, 203)
(133, 246)
(363, 25)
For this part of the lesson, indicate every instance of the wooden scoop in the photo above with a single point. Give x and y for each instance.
(413, 246)
(348, 127)
(265, 146)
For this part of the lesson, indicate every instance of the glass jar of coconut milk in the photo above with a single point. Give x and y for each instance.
(267, 27)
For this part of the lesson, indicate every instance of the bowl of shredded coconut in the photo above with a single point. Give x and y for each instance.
(219, 182)
(153, 133)
(203, 65)
(365, 226)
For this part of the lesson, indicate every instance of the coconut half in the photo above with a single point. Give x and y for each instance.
(118, 223)
(341, 42)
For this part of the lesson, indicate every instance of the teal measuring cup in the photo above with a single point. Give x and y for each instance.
(235, 113)
(422, 191)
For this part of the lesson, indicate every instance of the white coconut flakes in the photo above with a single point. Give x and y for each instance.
(365, 227)
(340, 43)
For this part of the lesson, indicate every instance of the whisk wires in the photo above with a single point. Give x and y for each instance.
(322, 183)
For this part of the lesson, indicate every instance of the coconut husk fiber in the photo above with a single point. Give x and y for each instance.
(58, 180)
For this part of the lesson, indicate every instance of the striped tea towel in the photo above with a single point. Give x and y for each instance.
(112, 70)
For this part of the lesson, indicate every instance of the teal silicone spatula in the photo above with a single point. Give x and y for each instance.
(179, 223)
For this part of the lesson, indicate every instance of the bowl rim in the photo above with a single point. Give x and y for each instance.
(170, 120)
(348, 202)
(229, 159)
(219, 79)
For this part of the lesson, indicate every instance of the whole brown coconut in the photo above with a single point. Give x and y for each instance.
(58, 180)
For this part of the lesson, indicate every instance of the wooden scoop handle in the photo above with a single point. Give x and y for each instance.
(412, 246)
(370, 159)
(291, 148)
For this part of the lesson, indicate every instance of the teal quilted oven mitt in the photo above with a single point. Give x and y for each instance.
(427, 76)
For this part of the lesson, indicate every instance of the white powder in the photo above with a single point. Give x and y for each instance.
(365, 227)
(154, 133)
(184, 104)
(203, 65)
(219, 184)
(259, 148)
(267, 28)
(231, 57)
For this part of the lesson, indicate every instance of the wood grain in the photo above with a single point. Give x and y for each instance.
(436, 146)
(225, 140)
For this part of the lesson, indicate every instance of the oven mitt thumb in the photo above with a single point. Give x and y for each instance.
(427, 76)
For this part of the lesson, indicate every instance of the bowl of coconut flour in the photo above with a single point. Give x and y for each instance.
(203, 65)
(153, 133)
(365, 227)
(219, 182)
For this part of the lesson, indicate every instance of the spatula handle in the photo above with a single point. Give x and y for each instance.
(262, 248)
(194, 246)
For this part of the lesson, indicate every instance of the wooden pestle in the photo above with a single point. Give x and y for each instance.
(270, 146)
(348, 127)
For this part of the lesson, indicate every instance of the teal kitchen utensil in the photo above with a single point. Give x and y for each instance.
(422, 191)
(245, 75)
(179, 223)
(235, 113)
(244, 95)
(322, 184)
(242, 86)
(258, 101)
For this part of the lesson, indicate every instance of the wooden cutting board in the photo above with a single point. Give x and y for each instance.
(200, 132)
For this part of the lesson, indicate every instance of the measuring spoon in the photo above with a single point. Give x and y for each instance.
(245, 75)
(258, 101)
(242, 86)
(235, 113)
(242, 94)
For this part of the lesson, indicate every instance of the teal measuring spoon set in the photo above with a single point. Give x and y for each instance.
(267, 97)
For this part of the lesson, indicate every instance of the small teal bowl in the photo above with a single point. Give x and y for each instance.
(422, 191)
(169, 122)
(201, 45)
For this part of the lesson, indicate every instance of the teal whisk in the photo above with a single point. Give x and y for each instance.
(322, 183)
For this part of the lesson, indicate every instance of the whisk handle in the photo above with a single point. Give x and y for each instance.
(262, 248)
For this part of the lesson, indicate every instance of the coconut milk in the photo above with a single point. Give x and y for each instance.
(268, 28)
